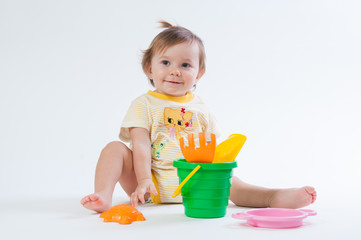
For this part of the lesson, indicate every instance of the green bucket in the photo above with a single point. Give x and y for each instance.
(206, 193)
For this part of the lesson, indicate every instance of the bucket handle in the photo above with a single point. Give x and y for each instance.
(178, 190)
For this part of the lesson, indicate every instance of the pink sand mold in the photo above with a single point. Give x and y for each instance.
(274, 217)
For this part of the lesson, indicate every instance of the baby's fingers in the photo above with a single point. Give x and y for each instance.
(134, 199)
(141, 198)
(152, 190)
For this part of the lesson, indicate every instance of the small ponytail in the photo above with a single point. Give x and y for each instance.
(164, 24)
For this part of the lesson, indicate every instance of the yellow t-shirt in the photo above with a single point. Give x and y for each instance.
(167, 119)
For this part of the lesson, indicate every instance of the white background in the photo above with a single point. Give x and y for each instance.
(287, 74)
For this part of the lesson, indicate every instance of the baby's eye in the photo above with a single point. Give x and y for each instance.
(165, 62)
(186, 65)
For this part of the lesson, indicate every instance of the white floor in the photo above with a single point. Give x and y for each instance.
(65, 218)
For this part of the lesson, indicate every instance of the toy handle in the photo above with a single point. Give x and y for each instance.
(178, 190)
(309, 212)
(241, 215)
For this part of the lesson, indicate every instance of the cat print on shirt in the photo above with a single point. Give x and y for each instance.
(176, 121)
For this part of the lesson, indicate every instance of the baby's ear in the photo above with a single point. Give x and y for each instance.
(200, 74)
(149, 71)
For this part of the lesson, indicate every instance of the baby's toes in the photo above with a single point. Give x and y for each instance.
(310, 190)
(312, 193)
(84, 200)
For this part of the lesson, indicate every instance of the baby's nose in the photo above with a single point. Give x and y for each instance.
(175, 72)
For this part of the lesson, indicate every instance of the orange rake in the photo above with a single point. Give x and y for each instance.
(203, 154)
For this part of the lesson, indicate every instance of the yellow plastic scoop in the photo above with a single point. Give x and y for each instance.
(228, 150)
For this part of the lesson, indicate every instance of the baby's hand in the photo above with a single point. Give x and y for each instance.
(144, 186)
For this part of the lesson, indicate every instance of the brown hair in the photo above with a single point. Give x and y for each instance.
(169, 37)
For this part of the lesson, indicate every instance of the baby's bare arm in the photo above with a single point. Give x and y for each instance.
(141, 153)
(142, 164)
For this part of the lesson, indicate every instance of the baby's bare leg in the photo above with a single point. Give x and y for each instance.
(115, 164)
(247, 195)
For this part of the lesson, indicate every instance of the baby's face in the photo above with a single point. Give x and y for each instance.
(176, 70)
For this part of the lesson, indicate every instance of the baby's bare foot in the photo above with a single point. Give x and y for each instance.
(96, 202)
(293, 197)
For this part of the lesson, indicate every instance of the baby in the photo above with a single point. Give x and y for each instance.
(174, 63)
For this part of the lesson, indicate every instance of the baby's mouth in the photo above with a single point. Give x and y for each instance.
(173, 82)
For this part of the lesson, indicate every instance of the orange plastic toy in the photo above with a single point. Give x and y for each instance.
(203, 154)
(123, 214)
